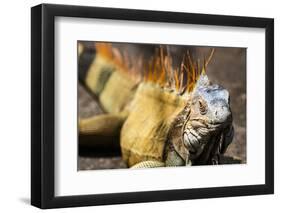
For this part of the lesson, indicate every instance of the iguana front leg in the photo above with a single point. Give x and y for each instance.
(148, 164)
(171, 158)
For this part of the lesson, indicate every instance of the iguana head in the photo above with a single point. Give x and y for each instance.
(209, 119)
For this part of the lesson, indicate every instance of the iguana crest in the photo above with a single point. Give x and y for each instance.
(159, 69)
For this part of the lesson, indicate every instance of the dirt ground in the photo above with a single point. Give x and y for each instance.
(227, 68)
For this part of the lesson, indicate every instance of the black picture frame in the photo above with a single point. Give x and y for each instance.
(43, 102)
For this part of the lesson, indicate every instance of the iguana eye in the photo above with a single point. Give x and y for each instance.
(202, 107)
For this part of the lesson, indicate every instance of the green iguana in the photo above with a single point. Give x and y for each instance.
(164, 116)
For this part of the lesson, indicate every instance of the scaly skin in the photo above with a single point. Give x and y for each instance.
(194, 129)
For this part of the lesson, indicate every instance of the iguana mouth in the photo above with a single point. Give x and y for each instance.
(209, 124)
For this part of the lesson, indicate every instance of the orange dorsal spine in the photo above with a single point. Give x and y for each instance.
(159, 69)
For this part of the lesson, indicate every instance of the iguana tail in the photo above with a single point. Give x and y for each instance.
(101, 131)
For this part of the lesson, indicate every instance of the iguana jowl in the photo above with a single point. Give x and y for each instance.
(161, 120)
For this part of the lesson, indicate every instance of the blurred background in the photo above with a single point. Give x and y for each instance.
(226, 68)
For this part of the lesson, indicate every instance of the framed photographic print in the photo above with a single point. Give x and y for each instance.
(139, 106)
